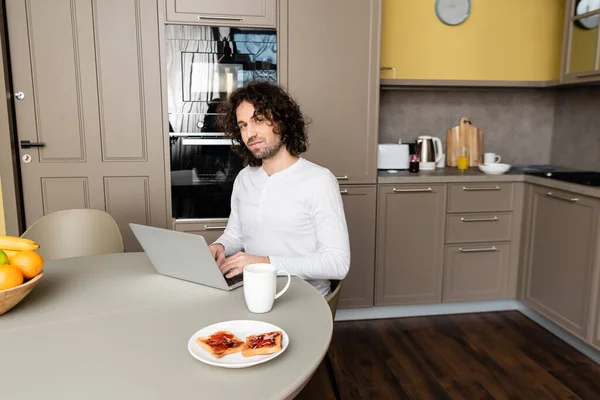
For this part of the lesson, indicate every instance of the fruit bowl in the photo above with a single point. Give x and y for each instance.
(11, 297)
(494, 169)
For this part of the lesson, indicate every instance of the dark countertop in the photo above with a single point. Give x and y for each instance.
(453, 175)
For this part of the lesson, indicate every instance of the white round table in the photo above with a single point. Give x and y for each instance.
(111, 327)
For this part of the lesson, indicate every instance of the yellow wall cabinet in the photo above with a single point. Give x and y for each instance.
(501, 42)
(581, 52)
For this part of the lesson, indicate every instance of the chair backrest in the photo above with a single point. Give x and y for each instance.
(74, 233)
(334, 296)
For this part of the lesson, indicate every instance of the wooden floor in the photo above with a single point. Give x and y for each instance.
(501, 355)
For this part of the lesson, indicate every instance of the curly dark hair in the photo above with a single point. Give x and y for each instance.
(276, 106)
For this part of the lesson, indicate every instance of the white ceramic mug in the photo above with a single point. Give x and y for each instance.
(491, 158)
(260, 285)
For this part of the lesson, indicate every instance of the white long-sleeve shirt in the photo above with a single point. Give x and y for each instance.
(295, 217)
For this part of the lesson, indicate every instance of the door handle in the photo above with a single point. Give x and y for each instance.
(26, 144)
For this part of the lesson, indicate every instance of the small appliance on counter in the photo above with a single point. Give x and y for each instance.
(464, 139)
(392, 157)
(429, 150)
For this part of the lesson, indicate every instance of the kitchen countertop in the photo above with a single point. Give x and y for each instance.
(453, 175)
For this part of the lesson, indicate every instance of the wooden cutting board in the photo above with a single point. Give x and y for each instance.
(464, 135)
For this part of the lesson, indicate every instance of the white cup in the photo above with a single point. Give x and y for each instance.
(491, 158)
(260, 284)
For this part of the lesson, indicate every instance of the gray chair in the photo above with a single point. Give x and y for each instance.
(75, 233)
(332, 300)
(334, 296)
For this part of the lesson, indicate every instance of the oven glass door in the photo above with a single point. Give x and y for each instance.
(203, 169)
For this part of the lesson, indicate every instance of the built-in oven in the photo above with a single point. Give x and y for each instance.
(204, 65)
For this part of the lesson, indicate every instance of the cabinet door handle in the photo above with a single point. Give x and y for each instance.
(389, 69)
(480, 250)
(344, 191)
(221, 18)
(342, 178)
(587, 74)
(472, 189)
(412, 190)
(571, 199)
(483, 219)
(214, 227)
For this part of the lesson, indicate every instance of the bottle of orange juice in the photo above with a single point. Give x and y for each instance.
(463, 158)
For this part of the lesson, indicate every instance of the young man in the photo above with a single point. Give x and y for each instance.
(285, 210)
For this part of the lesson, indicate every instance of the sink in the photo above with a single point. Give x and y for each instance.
(588, 178)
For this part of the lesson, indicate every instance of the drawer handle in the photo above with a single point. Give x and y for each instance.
(342, 178)
(214, 227)
(472, 189)
(478, 250)
(412, 190)
(222, 18)
(344, 191)
(484, 219)
(571, 199)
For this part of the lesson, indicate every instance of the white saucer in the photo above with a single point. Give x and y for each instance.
(241, 329)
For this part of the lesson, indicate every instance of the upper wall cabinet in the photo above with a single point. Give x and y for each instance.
(256, 13)
(581, 53)
(420, 47)
(332, 54)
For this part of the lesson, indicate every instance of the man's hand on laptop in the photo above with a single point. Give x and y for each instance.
(218, 252)
(235, 264)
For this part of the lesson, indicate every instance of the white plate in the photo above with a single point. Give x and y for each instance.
(241, 329)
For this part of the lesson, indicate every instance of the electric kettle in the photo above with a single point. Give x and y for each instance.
(429, 149)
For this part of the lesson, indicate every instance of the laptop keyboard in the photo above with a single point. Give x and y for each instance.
(234, 279)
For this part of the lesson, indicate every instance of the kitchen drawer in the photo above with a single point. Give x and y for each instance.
(480, 197)
(210, 229)
(252, 13)
(475, 272)
(489, 227)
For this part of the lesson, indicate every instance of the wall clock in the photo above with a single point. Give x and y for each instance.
(584, 6)
(452, 12)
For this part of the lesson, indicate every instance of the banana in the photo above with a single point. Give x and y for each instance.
(17, 243)
(10, 253)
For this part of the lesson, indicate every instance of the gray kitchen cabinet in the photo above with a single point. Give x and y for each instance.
(560, 256)
(475, 272)
(480, 197)
(210, 230)
(360, 203)
(252, 13)
(482, 241)
(581, 43)
(89, 79)
(478, 227)
(332, 71)
(410, 244)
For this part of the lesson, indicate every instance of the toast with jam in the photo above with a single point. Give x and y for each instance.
(264, 343)
(221, 343)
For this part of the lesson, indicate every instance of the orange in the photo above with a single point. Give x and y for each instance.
(30, 263)
(10, 276)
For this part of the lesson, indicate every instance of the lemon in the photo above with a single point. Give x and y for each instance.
(3, 258)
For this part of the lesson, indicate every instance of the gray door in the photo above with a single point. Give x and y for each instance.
(88, 78)
(410, 244)
(360, 204)
(561, 257)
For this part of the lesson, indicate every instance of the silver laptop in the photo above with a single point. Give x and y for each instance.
(184, 256)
